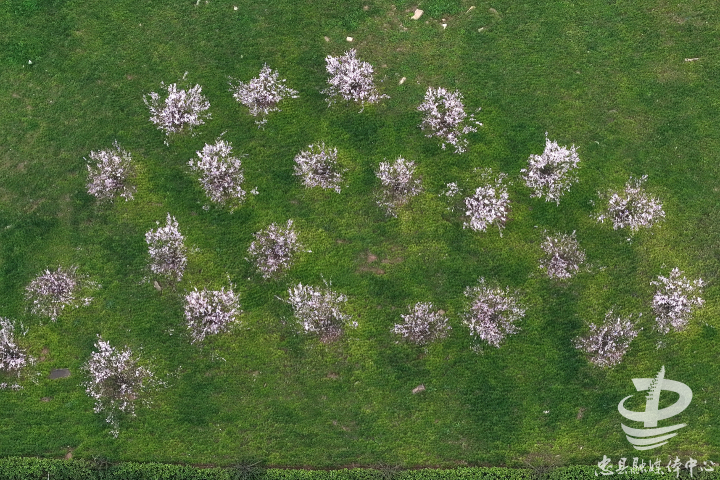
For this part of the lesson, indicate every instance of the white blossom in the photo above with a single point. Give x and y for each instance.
(351, 79)
(423, 324)
(319, 310)
(318, 167)
(51, 292)
(632, 208)
(167, 250)
(221, 174)
(673, 303)
(492, 313)
(110, 177)
(116, 381)
(552, 173)
(209, 312)
(12, 357)
(444, 117)
(398, 184)
(262, 94)
(273, 249)
(489, 205)
(607, 344)
(180, 109)
(563, 256)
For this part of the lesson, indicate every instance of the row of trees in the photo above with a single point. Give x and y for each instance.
(550, 175)
(351, 80)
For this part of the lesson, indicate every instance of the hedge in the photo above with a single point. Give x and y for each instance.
(20, 468)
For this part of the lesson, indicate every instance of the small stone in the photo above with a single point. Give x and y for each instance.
(235, 8)
(419, 388)
(444, 26)
(59, 373)
(402, 80)
(418, 13)
(349, 39)
(157, 286)
(327, 39)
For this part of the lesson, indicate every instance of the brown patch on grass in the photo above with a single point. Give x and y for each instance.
(333, 376)
(392, 260)
(580, 413)
(45, 399)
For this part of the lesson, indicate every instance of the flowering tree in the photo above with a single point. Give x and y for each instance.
(492, 313)
(273, 249)
(116, 381)
(262, 94)
(563, 256)
(12, 357)
(220, 174)
(489, 205)
(444, 117)
(319, 311)
(318, 167)
(552, 173)
(422, 325)
(167, 250)
(110, 177)
(673, 303)
(398, 184)
(51, 292)
(632, 208)
(351, 79)
(209, 312)
(606, 344)
(180, 110)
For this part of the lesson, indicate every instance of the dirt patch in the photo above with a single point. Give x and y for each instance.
(377, 271)
(333, 376)
(419, 388)
(580, 413)
(45, 399)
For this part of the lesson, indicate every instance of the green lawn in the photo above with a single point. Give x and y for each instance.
(610, 77)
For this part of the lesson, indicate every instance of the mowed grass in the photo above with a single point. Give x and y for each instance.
(610, 77)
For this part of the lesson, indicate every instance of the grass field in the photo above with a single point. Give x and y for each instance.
(610, 77)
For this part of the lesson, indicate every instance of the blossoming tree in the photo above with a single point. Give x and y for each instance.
(221, 174)
(110, 177)
(399, 184)
(551, 174)
(273, 249)
(209, 312)
(319, 311)
(182, 109)
(51, 292)
(12, 357)
(563, 256)
(492, 313)
(606, 344)
(351, 80)
(445, 118)
(489, 205)
(423, 324)
(632, 208)
(674, 301)
(167, 250)
(116, 381)
(262, 94)
(318, 167)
